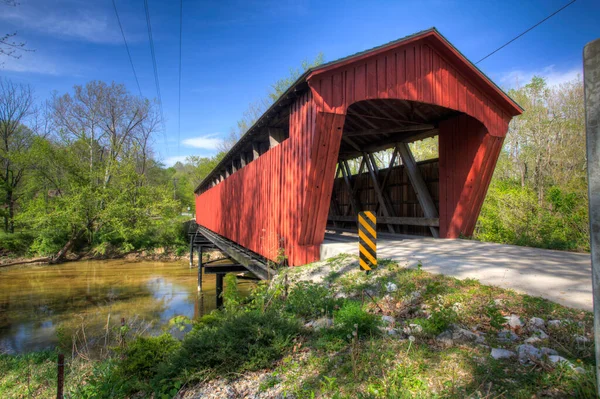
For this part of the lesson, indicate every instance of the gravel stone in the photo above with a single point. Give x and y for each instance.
(527, 353)
(498, 353)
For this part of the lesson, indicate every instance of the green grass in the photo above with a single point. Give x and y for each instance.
(352, 359)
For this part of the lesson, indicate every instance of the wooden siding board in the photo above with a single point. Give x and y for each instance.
(267, 200)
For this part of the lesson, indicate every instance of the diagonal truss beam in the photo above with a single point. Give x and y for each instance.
(382, 202)
(416, 179)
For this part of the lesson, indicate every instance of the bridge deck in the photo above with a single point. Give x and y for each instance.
(560, 276)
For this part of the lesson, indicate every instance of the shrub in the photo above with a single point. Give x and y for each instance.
(310, 300)
(353, 317)
(142, 355)
(235, 342)
(16, 244)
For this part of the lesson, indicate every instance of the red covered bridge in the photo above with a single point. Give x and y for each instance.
(308, 162)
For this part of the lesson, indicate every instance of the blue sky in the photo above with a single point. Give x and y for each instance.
(234, 50)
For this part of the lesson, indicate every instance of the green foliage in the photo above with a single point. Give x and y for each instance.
(511, 214)
(352, 317)
(310, 300)
(439, 321)
(232, 298)
(234, 342)
(142, 355)
(15, 243)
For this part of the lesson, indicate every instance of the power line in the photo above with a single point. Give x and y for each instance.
(180, 44)
(162, 117)
(127, 48)
(534, 26)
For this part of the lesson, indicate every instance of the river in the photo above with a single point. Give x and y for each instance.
(85, 303)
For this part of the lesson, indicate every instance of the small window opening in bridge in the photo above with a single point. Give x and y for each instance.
(426, 149)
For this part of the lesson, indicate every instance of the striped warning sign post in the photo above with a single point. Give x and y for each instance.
(367, 240)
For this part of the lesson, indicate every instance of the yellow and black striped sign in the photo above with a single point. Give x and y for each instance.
(367, 240)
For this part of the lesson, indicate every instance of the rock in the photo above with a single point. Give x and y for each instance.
(507, 336)
(415, 295)
(498, 353)
(548, 351)
(323, 322)
(536, 324)
(416, 328)
(580, 370)
(445, 339)
(499, 302)
(558, 359)
(391, 287)
(580, 339)
(462, 335)
(532, 340)
(514, 321)
(528, 352)
(388, 320)
(554, 323)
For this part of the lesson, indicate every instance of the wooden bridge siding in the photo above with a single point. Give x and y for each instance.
(419, 72)
(260, 206)
(468, 156)
(414, 72)
(286, 192)
(403, 198)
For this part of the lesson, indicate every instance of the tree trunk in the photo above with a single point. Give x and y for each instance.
(61, 254)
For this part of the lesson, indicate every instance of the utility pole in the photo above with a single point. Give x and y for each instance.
(591, 86)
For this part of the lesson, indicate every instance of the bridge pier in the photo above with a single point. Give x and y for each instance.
(200, 266)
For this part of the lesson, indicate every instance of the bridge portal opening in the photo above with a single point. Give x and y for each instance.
(388, 163)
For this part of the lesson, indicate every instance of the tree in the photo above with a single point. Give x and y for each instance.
(16, 104)
(8, 45)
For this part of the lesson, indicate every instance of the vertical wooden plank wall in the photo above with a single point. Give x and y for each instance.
(259, 206)
(282, 199)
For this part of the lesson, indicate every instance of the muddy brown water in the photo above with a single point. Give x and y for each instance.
(44, 306)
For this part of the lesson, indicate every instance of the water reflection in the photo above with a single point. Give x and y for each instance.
(41, 304)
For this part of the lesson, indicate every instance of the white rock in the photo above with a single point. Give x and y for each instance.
(498, 353)
(555, 323)
(558, 359)
(532, 340)
(514, 321)
(445, 338)
(548, 351)
(388, 320)
(536, 323)
(391, 287)
(580, 370)
(462, 335)
(323, 322)
(580, 339)
(499, 302)
(416, 328)
(527, 352)
(414, 295)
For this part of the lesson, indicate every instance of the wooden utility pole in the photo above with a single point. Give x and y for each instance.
(591, 85)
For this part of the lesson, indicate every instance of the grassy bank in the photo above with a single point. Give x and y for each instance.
(328, 330)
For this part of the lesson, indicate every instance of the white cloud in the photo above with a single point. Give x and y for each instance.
(554, 77)
(206, 142)
(71, 19)
(29, 62)
(170, 161)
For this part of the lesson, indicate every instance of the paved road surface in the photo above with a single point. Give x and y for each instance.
(563, 277)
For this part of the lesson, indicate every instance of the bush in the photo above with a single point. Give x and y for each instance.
(142, 355)
(16, 244)
(512, 214)
(310, 300)
(353, 317)
(234, 342)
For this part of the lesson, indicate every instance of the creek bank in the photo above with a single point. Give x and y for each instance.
(158, 254)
